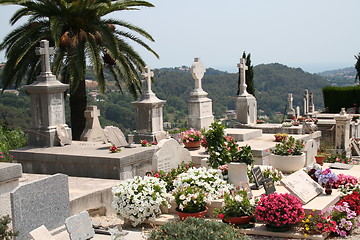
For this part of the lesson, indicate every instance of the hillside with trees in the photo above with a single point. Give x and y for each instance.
(340, 77)
(272, 84)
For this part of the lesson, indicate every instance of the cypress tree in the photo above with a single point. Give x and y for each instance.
(357, 67)
(249, 81)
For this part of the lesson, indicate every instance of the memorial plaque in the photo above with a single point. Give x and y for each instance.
(79, 226)
(269, 186)
(258, 177)
(245, 185)
(302, 186)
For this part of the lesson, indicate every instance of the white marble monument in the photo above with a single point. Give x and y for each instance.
(200, 107)
(149, 111)
(246, 105)
(306, 102)
(47, 103)
(290, 110)
(93, 131)
(342, 132)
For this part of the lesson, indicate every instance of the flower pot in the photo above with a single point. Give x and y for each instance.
(287, 164)
(239, 220)
(320, 160)
(272, 227)
(192, 145)
(184, 216)
(237, 173)
(328, 191)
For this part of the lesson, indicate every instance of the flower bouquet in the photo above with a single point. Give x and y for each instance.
(114, 149)
(145, 143)
(139, 199)
(237, 206)
(279, 137)
(279, 211)
(326, 179)
(314, 223)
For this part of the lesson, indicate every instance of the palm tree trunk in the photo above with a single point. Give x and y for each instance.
(78, 102)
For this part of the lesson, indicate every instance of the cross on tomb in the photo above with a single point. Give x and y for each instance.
(148, 74)
(92, 112)
(45, 51)
(197, 71)
(242, 66)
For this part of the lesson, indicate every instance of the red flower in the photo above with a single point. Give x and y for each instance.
(221, 216)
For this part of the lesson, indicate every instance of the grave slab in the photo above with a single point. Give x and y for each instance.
(9, 180)
(243, 134)
(42, 202)
(115, 136)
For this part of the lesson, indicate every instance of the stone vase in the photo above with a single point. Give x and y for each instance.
(237, 173)
(287, 164)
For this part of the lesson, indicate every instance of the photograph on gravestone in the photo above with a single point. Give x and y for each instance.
(269, 186)
(258, 177)
(79, 226)
(245, 185)
(302, 186)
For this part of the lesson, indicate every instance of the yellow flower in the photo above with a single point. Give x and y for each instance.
(309, 216)
(307, 220)
(306, 225)
(307, 229)
(303, 221)
(306, 235)
(314, 210)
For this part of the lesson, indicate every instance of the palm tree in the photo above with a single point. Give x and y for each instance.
(81, 34)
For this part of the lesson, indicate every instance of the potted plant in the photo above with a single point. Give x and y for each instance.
(242, 157)
(190, 201)
(326, 179)
(288, 156)
(319, 158)
(279, 211)
(280, 136)
(344, 217)
(238, 209)
(139, 199)
(191, 138)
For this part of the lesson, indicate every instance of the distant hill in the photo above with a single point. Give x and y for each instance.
(340, 77)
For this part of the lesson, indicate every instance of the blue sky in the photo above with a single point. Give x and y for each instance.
(313, 35)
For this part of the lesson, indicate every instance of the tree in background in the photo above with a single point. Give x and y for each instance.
(357, 67)
(249, 76)
(81, 35)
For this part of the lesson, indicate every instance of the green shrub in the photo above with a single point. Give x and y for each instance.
(195, 229)
(10, 139)
(5, 232)
(336, 98)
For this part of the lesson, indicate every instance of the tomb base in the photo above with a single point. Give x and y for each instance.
(246, 109)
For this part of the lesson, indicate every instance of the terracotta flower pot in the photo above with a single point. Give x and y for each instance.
(192, 145)
(184, 216)
(239, 220)
(320, 160)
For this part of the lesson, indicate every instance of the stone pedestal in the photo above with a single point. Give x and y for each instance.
(149, 112)
(342, 132)
(246, 109)
(200, 107)
(47, 103)
(246, 105)
(290, 110)
(9, 180)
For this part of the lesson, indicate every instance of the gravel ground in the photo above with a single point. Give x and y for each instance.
(112, 220)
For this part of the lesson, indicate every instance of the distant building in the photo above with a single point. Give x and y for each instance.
(91, 85)
(13, 91)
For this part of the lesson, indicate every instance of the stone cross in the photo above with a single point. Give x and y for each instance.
(290, 101)
(311, 102)
(197, 71)
(148, 74)
(306, 102)
(45, 51)
(242, 66)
